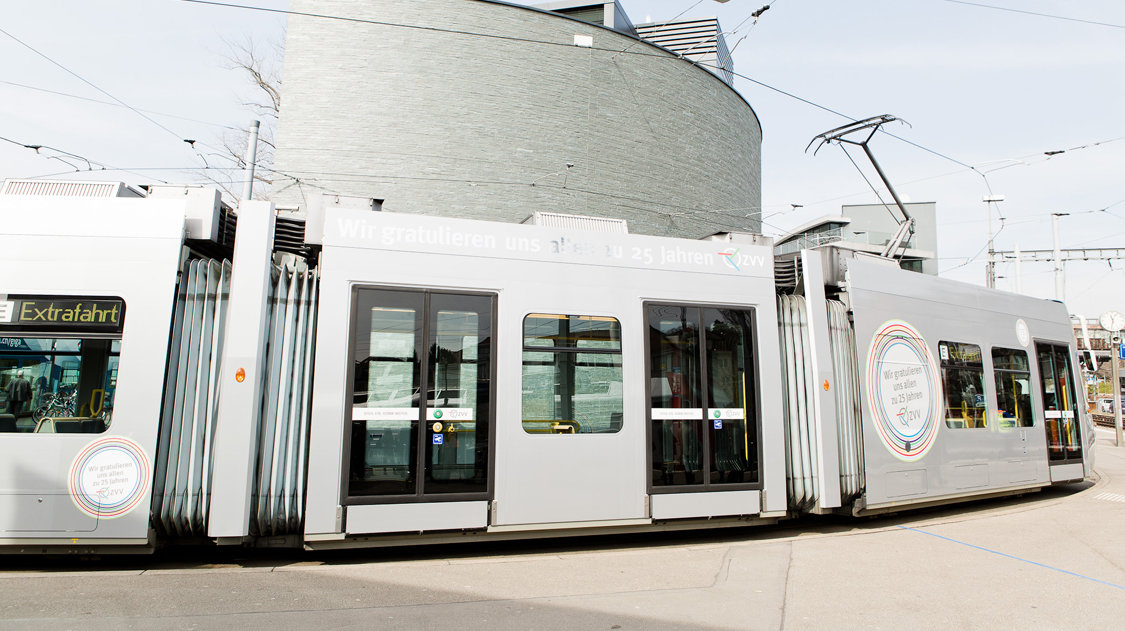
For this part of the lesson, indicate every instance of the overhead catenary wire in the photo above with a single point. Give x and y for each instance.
(1035, 13)
(114, 104)
(75, 169)
(91, 84)
(189, 141)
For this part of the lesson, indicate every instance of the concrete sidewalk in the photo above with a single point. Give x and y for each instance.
(1050, 560)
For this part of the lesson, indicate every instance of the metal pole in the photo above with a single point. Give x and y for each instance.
(1060, 282)
(990, 269)
(1019, 271)
(251, 157)
(1115, 389)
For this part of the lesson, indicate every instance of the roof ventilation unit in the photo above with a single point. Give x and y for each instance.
(577, 222)
(699, 41)
(61, 188)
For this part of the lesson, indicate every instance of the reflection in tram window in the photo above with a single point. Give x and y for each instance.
(1013, 387)
(1059, 403)
(962, 373)
(458, 393)
(734, 449)
(571, 374)
(386, 383)
(68, 384)
(702, 401)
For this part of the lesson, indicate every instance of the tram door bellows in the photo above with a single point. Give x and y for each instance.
(845, 373)
(801, 431)
(283, 433)
(182, 476)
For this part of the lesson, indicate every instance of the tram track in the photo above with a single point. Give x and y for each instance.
(1105, 420)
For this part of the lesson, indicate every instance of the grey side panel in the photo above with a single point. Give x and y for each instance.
(720, 504)
(417, 517)
(938, 310)
(126, 248)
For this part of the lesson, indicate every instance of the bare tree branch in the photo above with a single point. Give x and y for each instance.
(263, 72)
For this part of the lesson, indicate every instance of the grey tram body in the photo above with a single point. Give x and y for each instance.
(233, 406)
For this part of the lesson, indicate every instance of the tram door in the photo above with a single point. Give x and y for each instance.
(421, 410)
(1064, 443)
(702, 398)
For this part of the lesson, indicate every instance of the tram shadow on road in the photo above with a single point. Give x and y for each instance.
(188, 556)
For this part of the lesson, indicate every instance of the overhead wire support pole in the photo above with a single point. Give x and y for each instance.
(906, 226)
(250, 159)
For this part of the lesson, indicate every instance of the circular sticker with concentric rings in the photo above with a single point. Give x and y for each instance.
(903, 390)
(109, 477)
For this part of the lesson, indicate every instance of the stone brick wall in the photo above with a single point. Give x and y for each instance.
(444, 123)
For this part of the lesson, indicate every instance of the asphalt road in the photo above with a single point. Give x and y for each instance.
(1049, 560)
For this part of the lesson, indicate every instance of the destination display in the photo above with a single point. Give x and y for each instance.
(61, 313)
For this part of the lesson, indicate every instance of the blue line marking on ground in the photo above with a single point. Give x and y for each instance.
(1014, 558)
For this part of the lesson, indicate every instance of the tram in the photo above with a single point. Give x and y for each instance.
(343, 376)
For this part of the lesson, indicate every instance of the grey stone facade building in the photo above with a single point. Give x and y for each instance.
(490, 110)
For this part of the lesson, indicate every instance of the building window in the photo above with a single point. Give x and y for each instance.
(571, 374)
(1013, 387)
(962, 373)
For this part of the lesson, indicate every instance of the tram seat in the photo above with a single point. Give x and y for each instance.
(69, 426)
(93, 425)
(7, 423)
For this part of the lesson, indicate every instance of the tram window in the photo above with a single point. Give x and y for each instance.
(57, 385)
(1013, 387)
(962, 373)
(571, 374)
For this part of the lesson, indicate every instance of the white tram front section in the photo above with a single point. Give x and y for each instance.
(349, 377)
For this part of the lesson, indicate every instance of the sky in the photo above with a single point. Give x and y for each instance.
(987, 94)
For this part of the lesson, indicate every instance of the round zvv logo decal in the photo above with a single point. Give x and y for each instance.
(902, 390)
(109, 477)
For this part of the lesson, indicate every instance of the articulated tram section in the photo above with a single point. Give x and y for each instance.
(187, 372)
